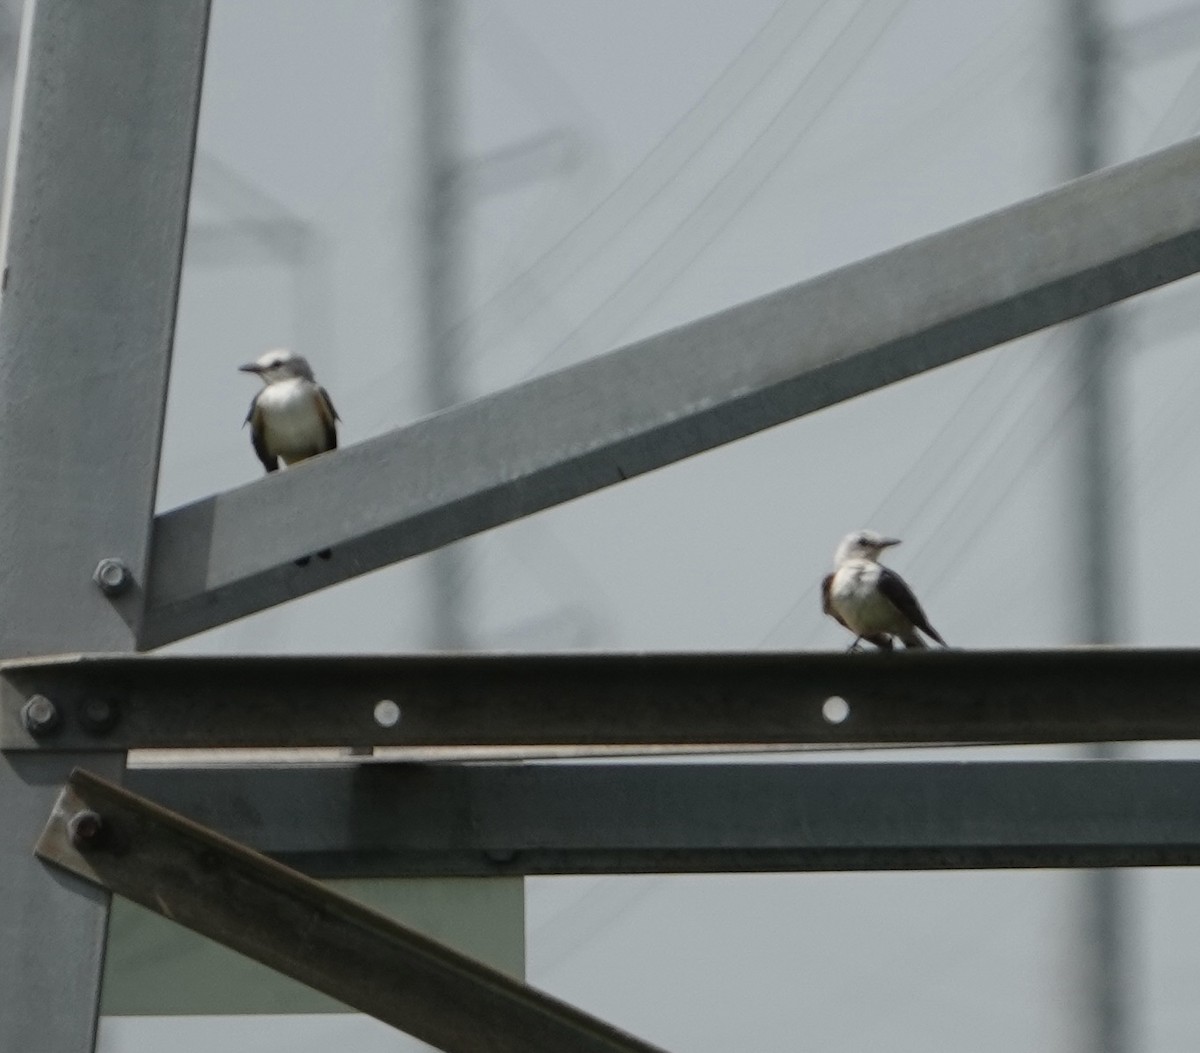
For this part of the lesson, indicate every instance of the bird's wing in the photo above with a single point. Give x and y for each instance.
(258, 437)
(896, 591)
(826, 606)
(329, 418)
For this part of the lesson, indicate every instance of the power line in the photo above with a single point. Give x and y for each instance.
(704, 119)
(868, 21)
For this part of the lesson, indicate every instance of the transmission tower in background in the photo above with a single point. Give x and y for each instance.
(1106, 986)
(451, 183)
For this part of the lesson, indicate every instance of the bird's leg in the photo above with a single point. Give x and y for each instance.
(854, 646)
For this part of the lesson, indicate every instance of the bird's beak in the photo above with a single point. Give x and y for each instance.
(250, 367)
(888, 542)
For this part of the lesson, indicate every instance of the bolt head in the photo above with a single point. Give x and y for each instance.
(86, 830)
(112, 575)
(40, 716)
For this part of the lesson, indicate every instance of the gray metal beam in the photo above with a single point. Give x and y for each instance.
(1090, 243)
(99, 165)
(134, 702)
(241, 899)
(464, 820)
(97, 193)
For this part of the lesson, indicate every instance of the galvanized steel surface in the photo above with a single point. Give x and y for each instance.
(97, 192)
(484, 463)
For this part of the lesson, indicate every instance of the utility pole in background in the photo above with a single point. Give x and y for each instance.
(443, 227)
(1105, 983)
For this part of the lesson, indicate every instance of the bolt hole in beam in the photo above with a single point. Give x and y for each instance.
(387, 713)
(835, 709)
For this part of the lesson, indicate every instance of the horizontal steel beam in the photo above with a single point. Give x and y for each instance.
(932, 697)
(478, 465)
(289, 922)
(464, 820)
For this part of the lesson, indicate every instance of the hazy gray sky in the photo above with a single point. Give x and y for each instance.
(719, 156)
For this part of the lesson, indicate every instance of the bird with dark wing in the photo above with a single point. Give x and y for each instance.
(870, 600)
(292, 417)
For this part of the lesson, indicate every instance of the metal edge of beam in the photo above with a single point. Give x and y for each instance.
(207, 883)
(479, 820)
(1082, 246)
(914, 698)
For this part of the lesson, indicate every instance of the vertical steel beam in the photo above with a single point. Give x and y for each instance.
(99, 166)
(53, 926)
(95, 208)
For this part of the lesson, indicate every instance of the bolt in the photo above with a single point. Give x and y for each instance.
(40, 716)
(112, 576)
(86, 830)
(99, 715)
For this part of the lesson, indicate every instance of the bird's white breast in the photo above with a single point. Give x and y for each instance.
(292, 423)
(854, 594)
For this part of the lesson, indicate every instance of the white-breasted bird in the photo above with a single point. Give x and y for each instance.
(870, 600)
(292, 417)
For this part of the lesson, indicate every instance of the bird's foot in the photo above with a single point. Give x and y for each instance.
(325, 553)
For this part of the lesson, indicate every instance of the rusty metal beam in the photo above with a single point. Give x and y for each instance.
(600, 701)
(193, 876)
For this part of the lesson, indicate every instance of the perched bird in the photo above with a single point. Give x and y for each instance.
(291, 418)
(871, 601)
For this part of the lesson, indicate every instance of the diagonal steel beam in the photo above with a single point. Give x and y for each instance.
(121, 702)
(176, 868)
(1084, 245)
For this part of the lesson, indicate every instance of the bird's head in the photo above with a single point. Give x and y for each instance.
(862, 544)
(279, 365)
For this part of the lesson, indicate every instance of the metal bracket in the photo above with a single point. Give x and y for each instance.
(214, 886)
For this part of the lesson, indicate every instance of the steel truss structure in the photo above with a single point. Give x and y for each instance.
(98, 178)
